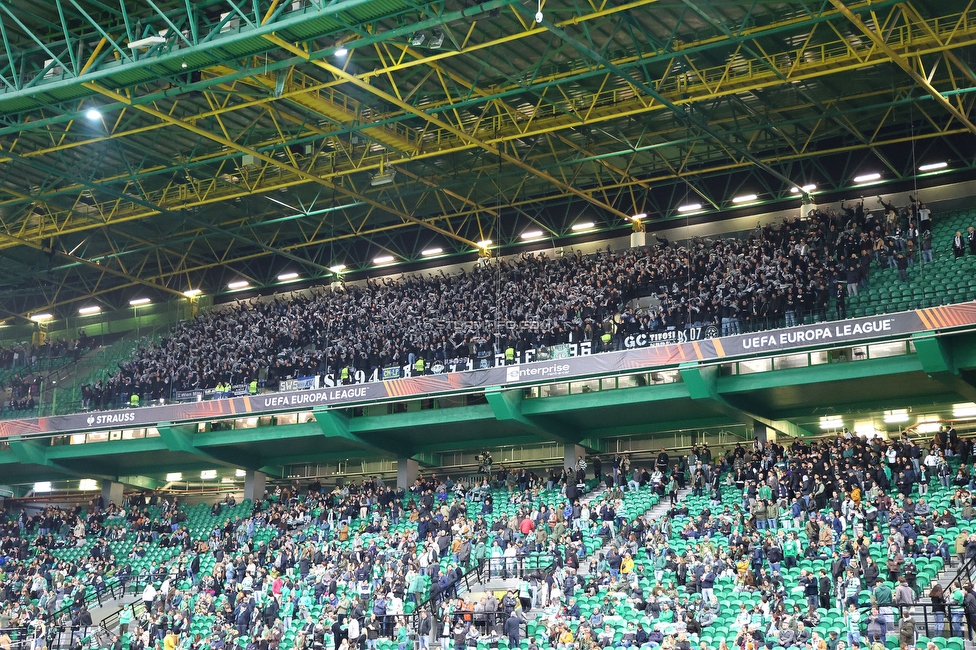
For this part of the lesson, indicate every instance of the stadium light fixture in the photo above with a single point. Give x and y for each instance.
(639, 216)
(964, 410)
(241, 473)
(227, 479)
(286, 277)
(173, 477)
(831, 422)
(436, 40)
(867, 178)
(928, 427)
(192, 293)
(87, 484)
(138, 302)
(383, 177)
(691, 207)
(431, 251)
(88, 311)
(383, 259)
(238, 284)
(93, 114)
(418, 39)
(42, 486)
(806, 188)
(586, 225)
(895, 416)
(146, 43)
(485, 243)
(532, 234)
(208, 474)
(338, 268)
(745, 198)
(931, 167)
(865, 429)
(341, 51)
(43, 317)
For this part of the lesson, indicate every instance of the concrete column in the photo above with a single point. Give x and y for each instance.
(407, 471)
(570, 453)
(254, 485)
(111, 493)
(763, 433)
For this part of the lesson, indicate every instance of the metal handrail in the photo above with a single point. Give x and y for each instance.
(929, 620)
(963, 576)
(111, 621)
(111, 587)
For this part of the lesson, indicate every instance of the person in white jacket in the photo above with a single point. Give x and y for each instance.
(149, 595)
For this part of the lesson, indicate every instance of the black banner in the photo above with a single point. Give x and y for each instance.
(670, 337)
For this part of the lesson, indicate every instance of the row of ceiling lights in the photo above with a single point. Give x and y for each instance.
(923, 423)
(387, 260)
(862, 179)
(90, 310)
(291, 276)
(88, 484)
(859, 180)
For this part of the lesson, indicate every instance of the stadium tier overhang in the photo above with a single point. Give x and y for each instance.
(884, 386)
(147, 148)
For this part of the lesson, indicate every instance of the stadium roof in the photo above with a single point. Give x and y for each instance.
(151, 147)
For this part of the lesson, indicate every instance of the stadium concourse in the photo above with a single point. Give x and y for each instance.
(843, 543)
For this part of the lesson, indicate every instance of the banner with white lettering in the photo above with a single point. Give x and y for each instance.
(669, 337)
(299, 383)
(821, 334)
(579, 364)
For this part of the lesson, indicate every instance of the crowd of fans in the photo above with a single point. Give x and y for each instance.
(778, 275)
(348, 566)
(29, 355)
(22, 393)
(21, 368)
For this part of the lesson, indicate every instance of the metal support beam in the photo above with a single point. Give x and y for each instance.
(441, 124)
(154, 208)
(300, 173)
(902, 63)
(687, 117)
